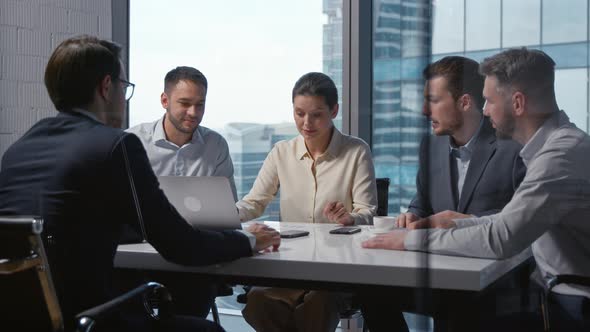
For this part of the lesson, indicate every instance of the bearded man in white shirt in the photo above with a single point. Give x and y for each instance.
(177, 145)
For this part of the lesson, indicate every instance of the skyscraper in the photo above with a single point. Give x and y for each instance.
(249, 144)
(401, 48)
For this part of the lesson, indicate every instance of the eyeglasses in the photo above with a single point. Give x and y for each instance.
(126, 86)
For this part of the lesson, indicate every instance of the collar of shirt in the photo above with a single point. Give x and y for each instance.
(160, 137)
(464, 152)
(86, 113)
(541, 135)
(332, 150)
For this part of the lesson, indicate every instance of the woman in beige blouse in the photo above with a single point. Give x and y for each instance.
(324, 177)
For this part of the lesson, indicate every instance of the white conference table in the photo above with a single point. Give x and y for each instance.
(327, 259)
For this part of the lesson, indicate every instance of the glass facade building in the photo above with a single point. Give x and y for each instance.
(401, 48)
(332, 47)
(558, 27)
(249, 144)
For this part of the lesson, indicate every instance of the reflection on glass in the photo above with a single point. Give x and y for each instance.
(447, 26)
(570, 92)
(519, 29)
(398, 124)
(564, 21)
(482, 20)
(568, 55)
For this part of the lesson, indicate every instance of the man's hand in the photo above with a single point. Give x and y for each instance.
(336, 212)
(393, 240)
(442, 219)
(265, 237)
(404, 219)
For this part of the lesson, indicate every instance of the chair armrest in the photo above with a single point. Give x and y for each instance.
(553, 281)
(156, 299)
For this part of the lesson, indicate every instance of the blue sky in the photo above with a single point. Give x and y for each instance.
(252, 52)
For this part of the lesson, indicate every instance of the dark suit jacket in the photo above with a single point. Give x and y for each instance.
(494, 173)
(71, 170)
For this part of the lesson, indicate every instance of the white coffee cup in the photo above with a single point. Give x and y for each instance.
(384, 223)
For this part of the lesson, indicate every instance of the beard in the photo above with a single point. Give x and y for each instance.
(505, 130)
(178, 125)
(451, 126)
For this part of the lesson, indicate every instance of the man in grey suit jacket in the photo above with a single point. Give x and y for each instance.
(463, 167)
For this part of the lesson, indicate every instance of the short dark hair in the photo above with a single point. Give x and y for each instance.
(184, 73)
(76, 68)
(316, 84)
(462, 75)
(530, 71)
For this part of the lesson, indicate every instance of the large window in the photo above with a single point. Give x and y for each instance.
(482, 24)
(564, 21)
(528, 26)
(251, 52)
(448, 26)
(473, 28)
(571, 93)
(397, 92)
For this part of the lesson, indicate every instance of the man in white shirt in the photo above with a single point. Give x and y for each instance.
(177, 145)
(550, 211)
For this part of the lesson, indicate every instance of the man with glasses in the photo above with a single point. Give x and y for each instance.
(87, 179)
(177, 145)
(128, 87)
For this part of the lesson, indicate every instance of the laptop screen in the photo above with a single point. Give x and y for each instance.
(203, 201)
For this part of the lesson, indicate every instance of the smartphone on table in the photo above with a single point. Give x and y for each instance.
(293, 233)
(345, 230)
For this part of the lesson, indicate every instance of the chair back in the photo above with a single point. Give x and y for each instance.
(28, 301)
(382, 196)
(556, 316)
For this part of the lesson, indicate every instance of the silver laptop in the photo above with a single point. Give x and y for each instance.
(204, 201)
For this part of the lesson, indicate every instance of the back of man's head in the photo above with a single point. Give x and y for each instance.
(531, 72)
(184, 73)
(76, 68)
(462, 77)
(316, 84)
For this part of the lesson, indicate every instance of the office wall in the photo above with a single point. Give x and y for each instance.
(29, 31)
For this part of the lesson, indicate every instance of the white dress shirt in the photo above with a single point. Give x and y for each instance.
(344, 173)
(207, 154)
(462, 155)
(550, 210)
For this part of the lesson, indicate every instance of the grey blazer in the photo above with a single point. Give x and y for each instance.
(494, 173)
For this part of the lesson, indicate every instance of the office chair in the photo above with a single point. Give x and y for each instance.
(382, 196)
(222, 290)
(548, 304)
(29, 300)
(351, 319)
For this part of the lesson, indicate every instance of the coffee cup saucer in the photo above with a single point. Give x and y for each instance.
(376, 230)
